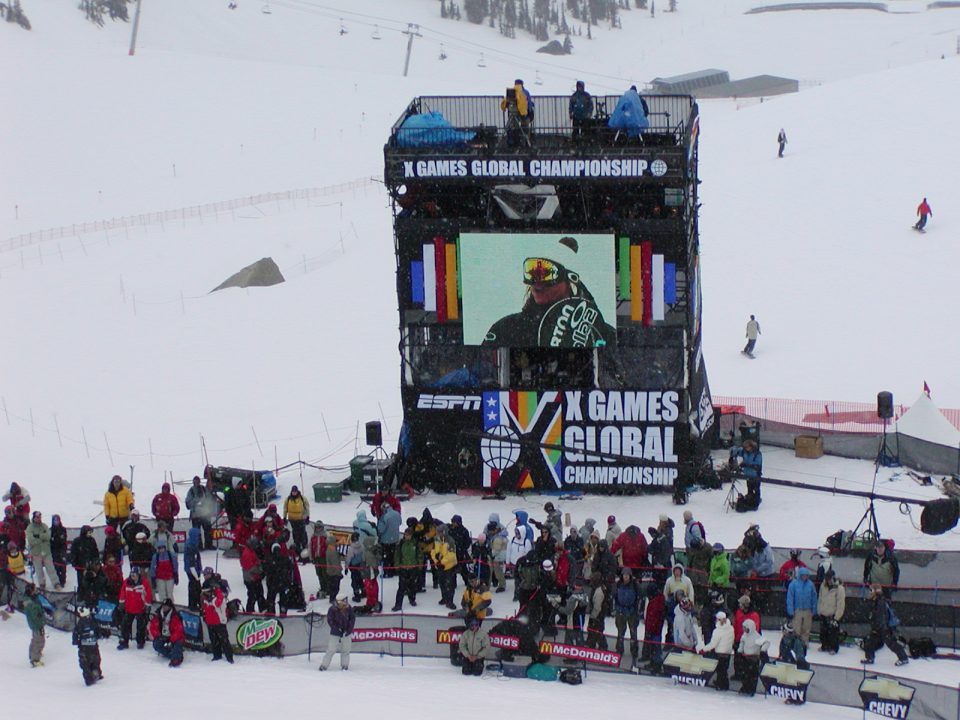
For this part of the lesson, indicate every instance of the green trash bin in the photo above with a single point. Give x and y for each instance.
(327, 492)
(356, 471)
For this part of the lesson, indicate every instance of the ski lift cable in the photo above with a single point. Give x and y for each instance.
(557, 71)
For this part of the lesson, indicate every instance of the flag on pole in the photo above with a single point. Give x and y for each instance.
(926, 389)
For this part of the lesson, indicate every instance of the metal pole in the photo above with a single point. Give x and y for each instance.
(136, 27)
(411, 31)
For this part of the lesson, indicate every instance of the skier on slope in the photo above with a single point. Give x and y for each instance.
(753, 331)
(923, 210)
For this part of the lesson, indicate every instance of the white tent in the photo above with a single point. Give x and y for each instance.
(925, 422)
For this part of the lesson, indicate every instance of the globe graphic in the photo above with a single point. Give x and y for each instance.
(500, 454)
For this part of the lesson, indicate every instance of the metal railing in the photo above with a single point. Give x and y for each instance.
(670, 118)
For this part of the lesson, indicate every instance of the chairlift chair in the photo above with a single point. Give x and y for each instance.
(443, 53)
(266, 9)
(481, 63)
(343, 28)
(376, 32)
(538, 80)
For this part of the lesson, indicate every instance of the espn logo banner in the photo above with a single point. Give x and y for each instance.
(575, 652)
(402, 635)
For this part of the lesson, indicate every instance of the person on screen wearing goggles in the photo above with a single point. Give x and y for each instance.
(558, 310)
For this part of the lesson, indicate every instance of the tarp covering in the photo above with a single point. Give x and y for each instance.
(430, 129)
(629, 115)
(263, 273)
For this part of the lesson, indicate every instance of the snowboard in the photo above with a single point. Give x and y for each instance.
(921, 230)
(749, 355)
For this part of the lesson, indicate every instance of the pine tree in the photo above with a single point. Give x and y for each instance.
(443, 9)
(567, 44)
(476, 10)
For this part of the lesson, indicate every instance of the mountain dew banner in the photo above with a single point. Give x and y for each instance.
(553, 440)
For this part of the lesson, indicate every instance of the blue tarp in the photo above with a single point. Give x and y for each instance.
(629, 115)
(430, 129)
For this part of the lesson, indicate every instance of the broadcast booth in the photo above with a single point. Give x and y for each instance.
(549, 297)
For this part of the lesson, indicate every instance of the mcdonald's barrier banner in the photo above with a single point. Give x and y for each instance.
(578, 652)
(393, 634)
(505, 642)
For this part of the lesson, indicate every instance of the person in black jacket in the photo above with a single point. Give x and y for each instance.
(278, 570)
(83, 551)
(134, 526)
(881, 567)
(460, 537)
(93, 585)
(141, 553)
(86, 635)
(58, 548)
(883, 626)
(580, 110)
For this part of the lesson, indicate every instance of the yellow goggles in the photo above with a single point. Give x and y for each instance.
(542, 271)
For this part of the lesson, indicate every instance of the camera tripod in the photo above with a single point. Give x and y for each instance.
(872, 530)
(730, 502)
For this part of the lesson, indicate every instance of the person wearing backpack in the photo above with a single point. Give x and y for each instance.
(883, 627)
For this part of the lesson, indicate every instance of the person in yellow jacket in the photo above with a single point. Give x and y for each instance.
(518, 105)
(16, 570)
(445, 560)
(476, 600)
(296, 509)
(117, 501)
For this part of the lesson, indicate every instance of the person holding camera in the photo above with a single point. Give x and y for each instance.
(166, 631)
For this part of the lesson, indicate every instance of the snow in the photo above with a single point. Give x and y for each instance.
(142, 678)
(116, 356)
(924, 421)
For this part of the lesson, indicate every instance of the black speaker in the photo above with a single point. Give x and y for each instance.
(885, 405)
(374, 434)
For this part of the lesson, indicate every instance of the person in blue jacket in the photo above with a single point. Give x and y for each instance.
(801, 604)
(751, 468)
(388, 528)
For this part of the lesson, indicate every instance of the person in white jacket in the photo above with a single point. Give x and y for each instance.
(751, 645)
(721, 648)
(519, 546)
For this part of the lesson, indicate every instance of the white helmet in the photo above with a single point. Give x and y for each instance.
(823, 551)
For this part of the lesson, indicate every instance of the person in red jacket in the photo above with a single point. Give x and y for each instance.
(165, 506)
(923, 210)
(384, 496)
(135, 598)
(243, 530)
(19, 500)
(653, 618)
(215, 616)
(14, 526)
(252, 566)
(632, 546)
(789, 569)
(744, 612)
(114, 575)
(166, 631)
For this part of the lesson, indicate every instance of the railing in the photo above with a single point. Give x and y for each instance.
(670, 119)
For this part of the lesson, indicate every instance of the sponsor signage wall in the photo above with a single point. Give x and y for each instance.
(786, 681)
(452, 637)
(558, 439)
(887, 697)
(259, 634)
(391, 634)
(687, 668)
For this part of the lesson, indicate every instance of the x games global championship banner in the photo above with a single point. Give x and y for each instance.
(524, 440)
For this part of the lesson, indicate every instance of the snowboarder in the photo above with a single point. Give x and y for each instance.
(85, 636)
(34, 612)
(883, 625)
(923, 210)
(782, 142)
(753, 330)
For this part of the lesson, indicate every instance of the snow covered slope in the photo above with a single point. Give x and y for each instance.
(116, 356)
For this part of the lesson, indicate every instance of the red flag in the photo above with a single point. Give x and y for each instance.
(926, 389)
(827, 409)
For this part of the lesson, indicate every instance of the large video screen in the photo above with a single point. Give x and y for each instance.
(538, 290)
